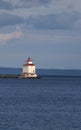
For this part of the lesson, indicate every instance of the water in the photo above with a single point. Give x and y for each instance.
(48, 103)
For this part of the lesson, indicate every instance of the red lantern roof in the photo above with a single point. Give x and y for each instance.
(29, 59)
(29, 62)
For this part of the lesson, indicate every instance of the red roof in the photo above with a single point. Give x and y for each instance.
(29, 65)
(29, 59)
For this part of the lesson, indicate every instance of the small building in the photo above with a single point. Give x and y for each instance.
(29, 69)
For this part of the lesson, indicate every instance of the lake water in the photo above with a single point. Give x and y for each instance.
(48, 103)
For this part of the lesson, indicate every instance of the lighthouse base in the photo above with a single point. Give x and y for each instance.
(28, 76)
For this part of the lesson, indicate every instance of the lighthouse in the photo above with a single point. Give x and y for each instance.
(29, 69)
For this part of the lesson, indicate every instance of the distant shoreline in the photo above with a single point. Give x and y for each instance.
(43, 72)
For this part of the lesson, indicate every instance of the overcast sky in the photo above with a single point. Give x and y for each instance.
(49, 31)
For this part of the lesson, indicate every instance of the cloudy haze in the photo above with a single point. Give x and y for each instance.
(49, 31)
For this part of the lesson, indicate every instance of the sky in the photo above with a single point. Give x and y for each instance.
(49, 31)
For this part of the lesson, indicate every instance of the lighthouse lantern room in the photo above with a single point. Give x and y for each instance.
(29, 69)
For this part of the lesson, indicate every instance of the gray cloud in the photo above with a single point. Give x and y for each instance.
(63, 20)
(4, 38)
(5, 5)
(8, 19)
(30, 3)
(11, 4)
(37, 1)
(54, 21)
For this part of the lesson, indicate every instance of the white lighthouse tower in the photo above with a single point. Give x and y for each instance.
(29, 69)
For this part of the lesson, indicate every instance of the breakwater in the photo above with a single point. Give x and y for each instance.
(9, 76)
(14, 76)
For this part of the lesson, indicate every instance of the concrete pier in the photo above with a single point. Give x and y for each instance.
(9, 76)
(14, 76)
